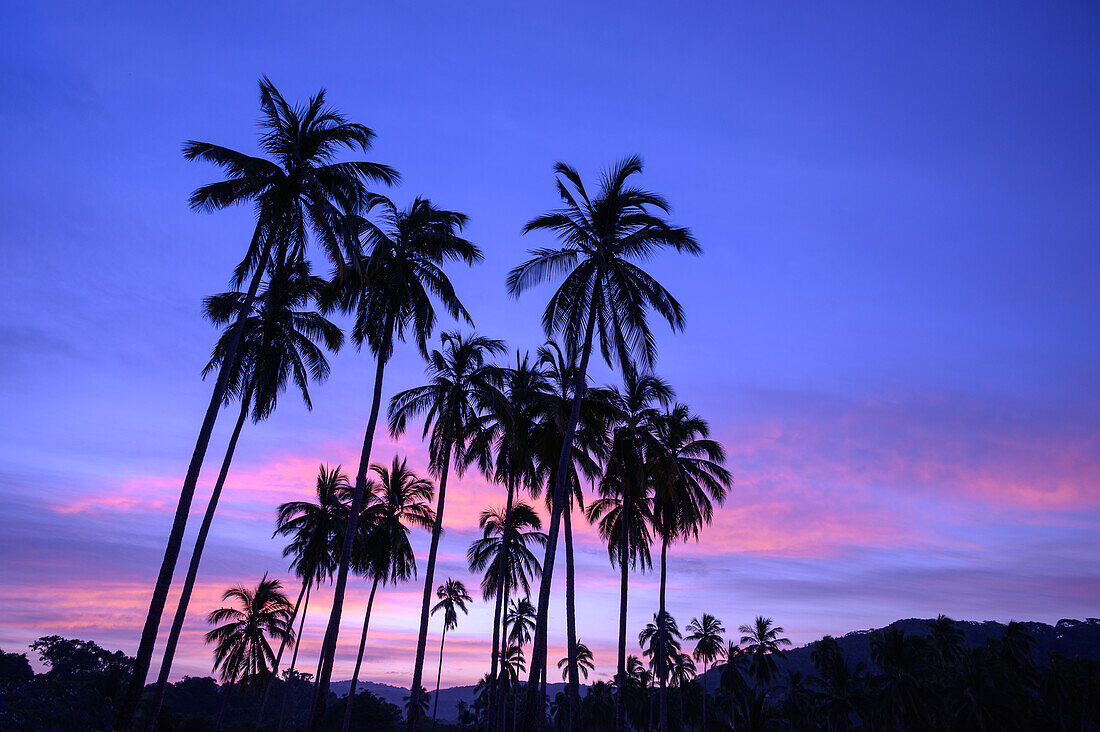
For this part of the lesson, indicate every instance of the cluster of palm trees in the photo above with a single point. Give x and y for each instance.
(537, 428)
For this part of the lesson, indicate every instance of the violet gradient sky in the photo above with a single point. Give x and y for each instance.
(895, 328)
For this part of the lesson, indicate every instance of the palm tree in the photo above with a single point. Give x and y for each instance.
(661, 631)
(242, 651)
(416, 705)
(315, 530)
(690, 480)
(589, 442)
(383, 551)
(585, 664)
(625, 509)
(300, 188)
(603, 292)
(453, 597)
(459, 380)
(763, 643)
(707, 632)
(682, 674)
(947, 640)
(502, 444)
(277, 344)
(506, 550)
(521, 620)
(389, 295)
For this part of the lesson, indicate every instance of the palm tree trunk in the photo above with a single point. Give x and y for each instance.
(501, 618)
(438, 674)
(144, 654)
(359, 658)
(332, 634)
(704, 693)
(293, 658)
(493, 686)
(624, 578)
(278, 659)
(573, 692)
(193, 568)
(221, 710)
(662, 642)
(429, 579)
(502, 700)
(533, 717)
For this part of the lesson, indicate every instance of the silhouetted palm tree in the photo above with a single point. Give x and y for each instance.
(383, 551)
(682, 673)
(316, 531)
(947, 640)
(391, 296)
(502, 442)
(763, 642)
(242, 651)
(603, 292)
(662, 625)
(453, 597)
(277, 345)
(585, 664)
(589, 443)
(689, 480)
(625, 509)
(301, 187)
(707, 632)
(416, 705)
(459, 381)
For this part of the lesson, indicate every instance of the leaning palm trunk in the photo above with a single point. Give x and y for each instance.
(438, 675)
(496, 705)
(429, 579)
(359, 659)
(332, 634)
(573, 693)
(662, 655)
(293, 661)
(534, 717)
(193, 567)
(624, 578)
(179, 523)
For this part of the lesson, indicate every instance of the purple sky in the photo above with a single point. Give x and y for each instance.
(895, 328)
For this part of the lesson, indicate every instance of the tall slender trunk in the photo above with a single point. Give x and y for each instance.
(663, 641)
(193, 568)
(533, 712)
(293, 659)
(429, 579)
(332, 634)
(496, 704)
(144, 655)
(682, 693)
(359, 658)
(624, 578)
(502, 699)
(278, 660)
(493, 686)
(438, 674)
(573, 692)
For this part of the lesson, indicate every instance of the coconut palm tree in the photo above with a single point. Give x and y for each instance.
(585, 664)
(682, 673)
(416, 705)
(521, 622)
(279, 343)
(391, 297)
(690, 479)
(589, 443)
(383, 552)
(661, 631)
(502, 444)
(707, 632)
(301, 187)
(242, 649)
(453, 597)
(459, 381)
(512, 551)
(763, 642)
(625, 509)
(315, 530)
(947, 640)
(604, 293)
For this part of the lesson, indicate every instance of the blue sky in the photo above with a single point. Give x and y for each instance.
(895, 327)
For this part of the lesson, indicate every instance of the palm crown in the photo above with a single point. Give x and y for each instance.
(520, 563)
(316, 528)
(453, 597)
(242, 650)
(397, 501)
(601, 238)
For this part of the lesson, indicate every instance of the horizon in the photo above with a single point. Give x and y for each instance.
(893, 328)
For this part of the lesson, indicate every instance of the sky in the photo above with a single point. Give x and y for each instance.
(894, 328)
